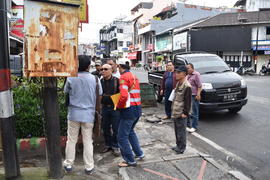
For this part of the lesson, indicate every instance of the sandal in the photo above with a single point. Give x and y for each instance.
(106, 149)
(125, 164)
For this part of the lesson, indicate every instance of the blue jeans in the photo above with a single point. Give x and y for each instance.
(127, 137)
(194, 118)
(168, 104)
(110, 124)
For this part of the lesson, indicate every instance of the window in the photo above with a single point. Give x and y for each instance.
(120, 30)
(128, 43)
(267, 30)
(120, 43)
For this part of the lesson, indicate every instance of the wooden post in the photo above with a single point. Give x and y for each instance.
(52, 127)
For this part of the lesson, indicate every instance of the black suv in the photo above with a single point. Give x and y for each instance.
(222, 88)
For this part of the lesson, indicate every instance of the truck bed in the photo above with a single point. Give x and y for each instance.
(155, 77)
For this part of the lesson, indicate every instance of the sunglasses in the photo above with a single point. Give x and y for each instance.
(104, 69)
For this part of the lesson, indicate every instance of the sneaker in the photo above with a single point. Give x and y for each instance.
(140, 158)
(177, 150)
(192, 130)
(106, 149)
(188, 129)
(68, 169)
(89, 172)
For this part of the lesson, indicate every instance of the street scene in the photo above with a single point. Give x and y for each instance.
(134, 90)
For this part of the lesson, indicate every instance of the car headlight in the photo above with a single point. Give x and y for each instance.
(207, 86)
(243, 82)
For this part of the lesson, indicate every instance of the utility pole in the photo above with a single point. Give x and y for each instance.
(11, 162)
(257, 38)
(52, 127)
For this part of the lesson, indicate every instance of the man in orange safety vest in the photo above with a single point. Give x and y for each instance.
(130, 111)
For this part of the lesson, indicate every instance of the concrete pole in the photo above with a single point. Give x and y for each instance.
(11, 163)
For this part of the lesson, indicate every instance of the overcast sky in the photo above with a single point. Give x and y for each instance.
(102, 12)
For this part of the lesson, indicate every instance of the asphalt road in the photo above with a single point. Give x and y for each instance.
(243, 140)
(246, 134)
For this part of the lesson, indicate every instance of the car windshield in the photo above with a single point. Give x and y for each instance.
(208, 64)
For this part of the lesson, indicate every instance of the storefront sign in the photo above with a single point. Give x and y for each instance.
(51, 39)
(163, 43)
(132, 55)
(261, 48)
(83, 14)
(16, 21)
(180, 41)
(266, 52)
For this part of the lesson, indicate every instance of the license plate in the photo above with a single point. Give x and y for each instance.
(230, 97)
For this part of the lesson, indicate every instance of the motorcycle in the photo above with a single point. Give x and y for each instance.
(264, 70)
(245, 70)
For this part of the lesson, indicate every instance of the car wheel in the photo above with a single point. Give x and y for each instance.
(235, 110)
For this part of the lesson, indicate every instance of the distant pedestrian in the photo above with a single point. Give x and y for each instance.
(97, 72)
(110, 117)
(115, 71)
(167, 85)
(194, 78)
(181, 108)
(81, 114)
(130, 112)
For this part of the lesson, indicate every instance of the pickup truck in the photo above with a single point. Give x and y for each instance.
(221, 88)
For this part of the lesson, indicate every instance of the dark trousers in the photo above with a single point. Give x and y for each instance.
(180, 125)
(168, 104)
(110, 124)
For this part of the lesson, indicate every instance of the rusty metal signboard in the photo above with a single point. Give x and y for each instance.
(51, 39)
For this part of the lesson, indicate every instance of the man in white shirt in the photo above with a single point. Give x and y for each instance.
(81, 114)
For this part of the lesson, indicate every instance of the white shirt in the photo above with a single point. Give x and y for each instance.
(82, 97)
(116, 74)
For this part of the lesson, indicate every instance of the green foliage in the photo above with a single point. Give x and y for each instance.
(138, 65)
(159, 58)
(29, 115)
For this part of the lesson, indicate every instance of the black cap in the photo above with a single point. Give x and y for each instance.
(181, 69)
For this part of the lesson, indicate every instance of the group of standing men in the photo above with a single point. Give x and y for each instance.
(185, 85)
(117, 124)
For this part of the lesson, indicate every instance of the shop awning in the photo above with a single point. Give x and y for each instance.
(132, 55)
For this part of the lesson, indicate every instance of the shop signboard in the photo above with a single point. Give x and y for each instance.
(83, 11)
(180, 41)
(16, 21)
(51, 39)
(163, 43)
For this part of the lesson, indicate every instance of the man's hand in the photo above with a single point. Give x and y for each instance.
(198, 97)
(183, 116)
(161, 92)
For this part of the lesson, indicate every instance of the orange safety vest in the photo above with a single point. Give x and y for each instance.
(129, 87)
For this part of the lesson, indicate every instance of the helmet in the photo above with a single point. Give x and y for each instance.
(124, 61)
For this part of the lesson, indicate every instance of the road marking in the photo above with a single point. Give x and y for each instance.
(160, 174)
(202, 170)
(221, 149)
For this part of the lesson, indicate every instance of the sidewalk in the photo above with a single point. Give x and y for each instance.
(160, 162)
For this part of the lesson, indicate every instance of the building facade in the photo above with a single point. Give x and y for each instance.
(116, 38)
(241, 39)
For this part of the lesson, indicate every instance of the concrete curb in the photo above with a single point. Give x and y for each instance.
(236, 174)
(39, 143)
